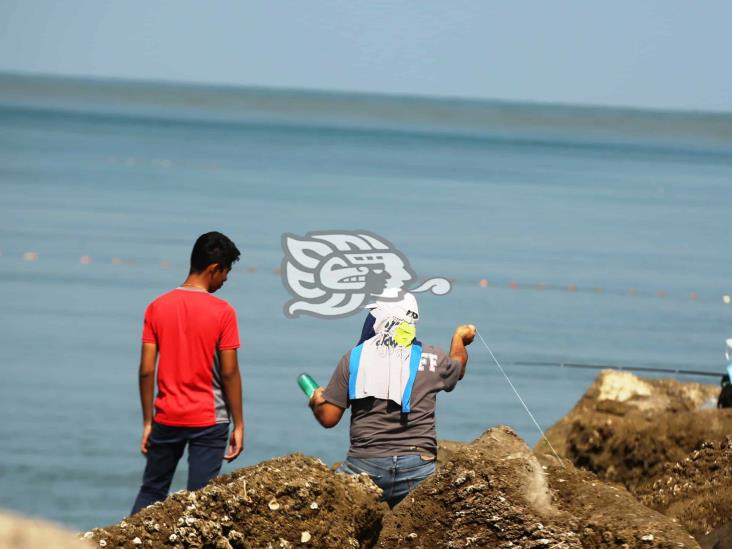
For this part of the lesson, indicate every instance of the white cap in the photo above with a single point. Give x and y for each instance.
(405, 308)
(728, 354)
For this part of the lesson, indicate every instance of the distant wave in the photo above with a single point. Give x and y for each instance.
(510, 122)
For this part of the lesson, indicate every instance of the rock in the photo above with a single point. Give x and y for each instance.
(625, 428)
(696, 491)
(270, 504)
(22, 533)
(658, 440)
(494, 492)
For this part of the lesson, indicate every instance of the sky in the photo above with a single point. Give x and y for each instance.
(661, 54)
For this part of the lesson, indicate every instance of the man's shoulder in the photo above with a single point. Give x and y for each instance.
(178, 295)
(163, 298)
(220, 302)
(433, 349)
(346, 357)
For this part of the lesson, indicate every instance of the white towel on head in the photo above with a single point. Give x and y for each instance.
(384, 365)
(405, 308)
(383, 370)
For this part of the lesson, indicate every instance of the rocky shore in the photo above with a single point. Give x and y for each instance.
(642, 464)
(290, 501)
(662, 441)
(495, 492)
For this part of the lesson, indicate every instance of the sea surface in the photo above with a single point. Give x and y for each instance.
(601, 236)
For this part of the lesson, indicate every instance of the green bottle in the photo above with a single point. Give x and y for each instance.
(307, 384)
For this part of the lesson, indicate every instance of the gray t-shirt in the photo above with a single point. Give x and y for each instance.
(378, 427)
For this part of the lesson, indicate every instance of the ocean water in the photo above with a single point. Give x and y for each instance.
(632, 208)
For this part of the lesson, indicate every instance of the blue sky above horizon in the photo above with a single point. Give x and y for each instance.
(654, 54)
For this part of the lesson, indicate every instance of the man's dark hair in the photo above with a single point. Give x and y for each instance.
(210, 248)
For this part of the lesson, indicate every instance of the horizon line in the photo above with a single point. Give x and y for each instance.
(323, 92)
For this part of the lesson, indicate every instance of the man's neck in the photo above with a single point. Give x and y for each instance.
(196, 281)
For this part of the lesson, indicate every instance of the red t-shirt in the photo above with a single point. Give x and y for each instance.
(189, 328)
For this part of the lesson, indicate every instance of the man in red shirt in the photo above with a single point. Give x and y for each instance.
(193, 337)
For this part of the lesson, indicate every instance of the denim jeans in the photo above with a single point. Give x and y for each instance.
(395, 475)
(206, 449)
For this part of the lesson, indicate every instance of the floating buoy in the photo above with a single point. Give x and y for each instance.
(33, 256)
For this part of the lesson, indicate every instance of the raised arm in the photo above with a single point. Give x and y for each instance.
(148, 358)
(231, 381)
(462, 337)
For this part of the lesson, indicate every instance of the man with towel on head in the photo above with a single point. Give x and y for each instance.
(391, 381)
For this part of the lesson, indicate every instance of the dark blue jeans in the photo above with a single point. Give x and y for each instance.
(206, 449)
(395, 475)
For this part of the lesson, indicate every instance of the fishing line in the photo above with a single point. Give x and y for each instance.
(519, 397)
